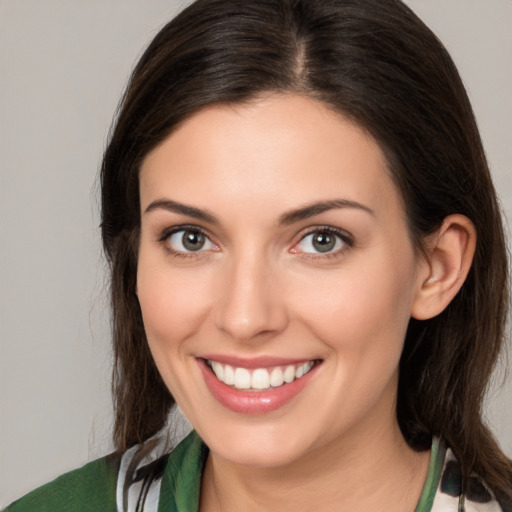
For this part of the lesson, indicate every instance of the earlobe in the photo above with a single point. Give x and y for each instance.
(448, 260)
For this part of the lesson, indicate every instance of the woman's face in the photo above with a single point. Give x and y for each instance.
(274, 243)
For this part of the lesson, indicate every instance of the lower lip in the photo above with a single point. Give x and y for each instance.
(253, 402)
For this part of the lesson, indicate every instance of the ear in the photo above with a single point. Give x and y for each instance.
(449, 255)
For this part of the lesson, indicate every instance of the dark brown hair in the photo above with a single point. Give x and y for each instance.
(375, 62)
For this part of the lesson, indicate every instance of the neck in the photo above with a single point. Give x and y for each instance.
(360, 472)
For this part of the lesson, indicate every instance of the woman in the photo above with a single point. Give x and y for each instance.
(307, 255)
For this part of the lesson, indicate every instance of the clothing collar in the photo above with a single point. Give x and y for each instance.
(181, 482)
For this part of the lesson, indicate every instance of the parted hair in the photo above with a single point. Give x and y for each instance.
(378, 64)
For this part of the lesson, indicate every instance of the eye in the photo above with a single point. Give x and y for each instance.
(322, 241)
(189, 240)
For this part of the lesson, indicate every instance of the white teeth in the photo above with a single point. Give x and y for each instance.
(229, 375)
(289, 374)
(303, 369)
(242, 378)
(260, 378)
(218, 369)
(276, 377)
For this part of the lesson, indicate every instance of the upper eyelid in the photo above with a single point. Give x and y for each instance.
(342, 233)
(346, 236)
(167, 232)
(347, 240)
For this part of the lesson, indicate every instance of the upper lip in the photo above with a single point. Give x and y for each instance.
(256, 362)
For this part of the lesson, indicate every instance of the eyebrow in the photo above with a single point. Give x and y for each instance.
(190, 211)
(317, 208)
(285, 219)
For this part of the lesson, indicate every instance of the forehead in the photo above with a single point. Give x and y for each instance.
(283, 149)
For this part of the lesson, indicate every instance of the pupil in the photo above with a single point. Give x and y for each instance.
(193, 240)
(324, 242)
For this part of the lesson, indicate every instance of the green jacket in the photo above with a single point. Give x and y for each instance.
(148, 479)
(94, 487)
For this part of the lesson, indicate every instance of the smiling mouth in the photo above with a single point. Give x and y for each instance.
(259, 379)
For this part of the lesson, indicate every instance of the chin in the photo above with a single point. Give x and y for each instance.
(255, 456)
(257, 447)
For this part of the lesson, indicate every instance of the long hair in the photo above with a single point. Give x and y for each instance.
(376, 63)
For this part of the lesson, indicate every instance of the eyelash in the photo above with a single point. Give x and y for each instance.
(166, 234)
(346, 239)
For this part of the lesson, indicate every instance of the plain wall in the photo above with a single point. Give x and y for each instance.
(62, 69)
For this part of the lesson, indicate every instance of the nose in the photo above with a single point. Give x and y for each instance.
(251, 306)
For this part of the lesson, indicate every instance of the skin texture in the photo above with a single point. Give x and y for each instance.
(259, 288)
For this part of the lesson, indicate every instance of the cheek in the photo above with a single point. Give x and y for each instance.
(361, 308)
(172, 303)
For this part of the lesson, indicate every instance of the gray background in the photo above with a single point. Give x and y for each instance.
(63, 65)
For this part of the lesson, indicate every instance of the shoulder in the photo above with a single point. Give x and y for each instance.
(87, 489)
(160, 476)
(130, 481)
(471, 495)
